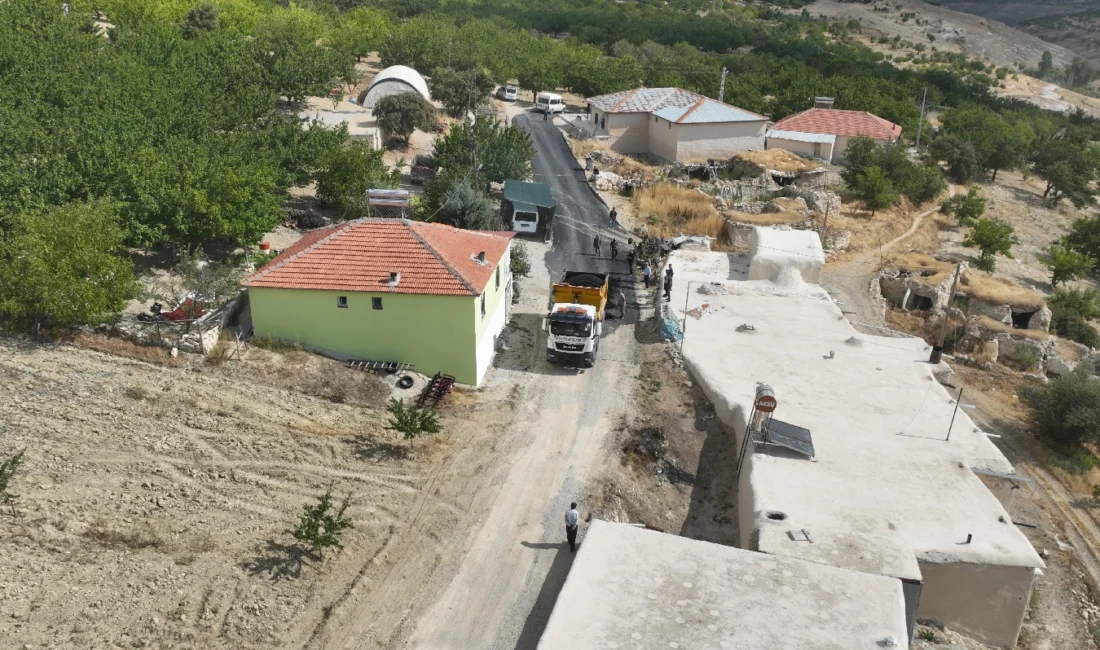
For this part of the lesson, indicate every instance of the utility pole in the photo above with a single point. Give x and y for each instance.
(722, 86)
(920, 125)
(450, 48)
(953, 414)
(937, 351)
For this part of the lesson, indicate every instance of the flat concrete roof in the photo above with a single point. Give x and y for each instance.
(885, 489)
(635, 588)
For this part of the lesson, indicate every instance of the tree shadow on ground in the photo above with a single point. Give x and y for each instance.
(536, 621)
(366, 448)
(279, 561)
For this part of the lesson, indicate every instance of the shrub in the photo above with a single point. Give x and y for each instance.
(1075, 328)
(401, 114)
(321, 527)
(1066, 264)
(1077, 461)
(7, 472)
(348, 172)
(410, 420)
(1083, 302)
(274, 345)
(991, 236)
(1067, 408)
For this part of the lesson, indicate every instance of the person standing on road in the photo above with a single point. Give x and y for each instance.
(572, 522)
(630, 260)
(614, 216)
(620, 300)
(647, 272)
(614, 248)
(668, 286)
(596, 244)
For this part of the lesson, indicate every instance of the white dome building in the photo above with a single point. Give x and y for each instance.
(392, 81)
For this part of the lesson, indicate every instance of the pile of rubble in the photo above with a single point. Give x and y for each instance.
(198, 337)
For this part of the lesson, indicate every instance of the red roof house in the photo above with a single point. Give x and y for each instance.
(803, 132)
(390, 290)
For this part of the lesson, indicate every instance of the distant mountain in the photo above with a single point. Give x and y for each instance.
(1073, 24)
(1014, 12)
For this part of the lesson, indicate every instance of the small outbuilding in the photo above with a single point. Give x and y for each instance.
(394, 80)
(675, 125)
(635, 588)
(390, 290)
(527, 207)
(784, 255)
(809, 132)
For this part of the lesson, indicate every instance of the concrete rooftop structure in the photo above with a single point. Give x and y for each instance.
(886, 493)
(632, 588)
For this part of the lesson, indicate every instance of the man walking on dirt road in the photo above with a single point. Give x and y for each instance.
(596, 244)
(572, 521)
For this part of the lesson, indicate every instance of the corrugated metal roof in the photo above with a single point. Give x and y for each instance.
(524, 192)
(674, 105)
(800, 136)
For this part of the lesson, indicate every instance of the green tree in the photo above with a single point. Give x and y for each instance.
(464, 207)
(401, 114)
(411, 420)
(347, 173)
(460, 90)
(1069, 164)
(1066, 264)
(203, 18)
(967, 209)
(875, 189)
(519, 261)
(990, 237)
(491, 151)
(1067, 408)
(297, 66)
(1084, 237)
(322, 525)
(960, 156)
(65, 265)
(861, 153)
(1081, 302)
(1046, 65)
(358, 32)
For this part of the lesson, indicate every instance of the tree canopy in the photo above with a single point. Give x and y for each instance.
(401, 114)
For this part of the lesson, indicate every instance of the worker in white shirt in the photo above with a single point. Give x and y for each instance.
(572, 521)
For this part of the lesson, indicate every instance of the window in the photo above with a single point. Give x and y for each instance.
(342, 302)
(498, 276)
(375, 303)
(483, 305)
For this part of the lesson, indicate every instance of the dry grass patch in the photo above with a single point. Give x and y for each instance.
(124, 348)
(997, 291)
(142, 536)
(780, 160)
(673, 210)
(313, 374)
(922, 263)
(997, 326)
(582, 148)
(906, 321)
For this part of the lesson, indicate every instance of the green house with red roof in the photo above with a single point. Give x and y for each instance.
(390, 290)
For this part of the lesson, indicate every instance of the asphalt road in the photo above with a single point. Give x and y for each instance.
(579, 215)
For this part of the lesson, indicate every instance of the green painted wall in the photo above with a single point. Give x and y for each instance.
(435, 333)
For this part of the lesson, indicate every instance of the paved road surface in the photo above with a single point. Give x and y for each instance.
(508, 580)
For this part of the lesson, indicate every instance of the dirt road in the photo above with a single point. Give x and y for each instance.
(493, 581)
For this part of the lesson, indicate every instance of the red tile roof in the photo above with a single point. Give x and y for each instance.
(360, 255)
(843, 123)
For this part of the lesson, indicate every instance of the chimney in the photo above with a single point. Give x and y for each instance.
(823, 102)
(481, 257)
(395, 278)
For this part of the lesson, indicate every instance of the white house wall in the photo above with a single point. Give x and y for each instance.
(487, 346)
(986, 602)
(629, 132)
(803, 148)
(696, 142)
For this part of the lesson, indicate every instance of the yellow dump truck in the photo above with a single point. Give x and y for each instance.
(575, 322)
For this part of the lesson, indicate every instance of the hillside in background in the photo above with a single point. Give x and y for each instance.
(1073, 24)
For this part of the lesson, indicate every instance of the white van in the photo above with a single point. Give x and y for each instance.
(549, 103)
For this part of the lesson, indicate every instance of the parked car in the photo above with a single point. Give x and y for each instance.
(508, 93)
(549, 103)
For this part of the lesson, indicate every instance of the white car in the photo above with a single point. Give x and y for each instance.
(549, 103)
(508, 93)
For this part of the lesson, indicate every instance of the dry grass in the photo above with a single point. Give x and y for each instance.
(126, 349)
(909, 322)
(582, 148)
(997, 291)
(922, 263)
(997, 326)
(764, 218)
(312, 374)
(780, 160)
(672, 210)
(137, 538)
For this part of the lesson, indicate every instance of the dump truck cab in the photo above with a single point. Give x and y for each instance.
(575, 322)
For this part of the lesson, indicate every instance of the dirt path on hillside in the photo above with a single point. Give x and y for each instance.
(849, 280)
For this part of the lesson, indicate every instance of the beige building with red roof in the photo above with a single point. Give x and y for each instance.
(390, 290)
(675, 125)
(825, 132)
